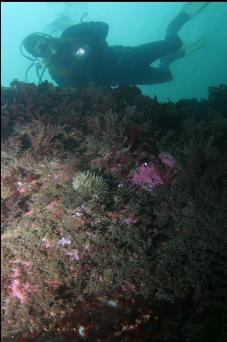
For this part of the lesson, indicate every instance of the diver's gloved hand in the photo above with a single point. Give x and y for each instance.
(194, 8)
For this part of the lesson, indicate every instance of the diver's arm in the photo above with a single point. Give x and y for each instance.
(96, 31)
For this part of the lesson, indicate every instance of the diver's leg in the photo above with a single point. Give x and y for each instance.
(167, 60)
(184, 51)
(177, 23)
(189, 11)
(162, 73)
(153, 76)
(148, 53)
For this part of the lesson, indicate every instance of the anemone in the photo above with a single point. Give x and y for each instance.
(90, 186)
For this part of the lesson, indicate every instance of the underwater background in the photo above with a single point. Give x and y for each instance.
(131, 24)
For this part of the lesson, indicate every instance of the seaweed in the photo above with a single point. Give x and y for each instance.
(113, 215)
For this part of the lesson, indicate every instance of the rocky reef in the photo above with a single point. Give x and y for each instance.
(113, 215)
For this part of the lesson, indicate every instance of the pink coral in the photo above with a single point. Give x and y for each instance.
(47, 243)
(129, 220)
(29, 213)
(22, 262)
(16, 273)
(73, 254)
(53, 205)
(147, 177)
(22, 187)
(17, 288)
(167, 159)
(55, 283)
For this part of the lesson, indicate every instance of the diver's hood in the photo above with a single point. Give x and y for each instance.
(38, 44)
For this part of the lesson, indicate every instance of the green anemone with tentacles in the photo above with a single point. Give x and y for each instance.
(90, 186)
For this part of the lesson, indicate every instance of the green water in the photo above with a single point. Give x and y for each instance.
(131, 24)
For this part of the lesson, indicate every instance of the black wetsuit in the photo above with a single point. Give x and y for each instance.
(112, 65)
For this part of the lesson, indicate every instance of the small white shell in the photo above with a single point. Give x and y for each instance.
(112, 303)
(81, 331)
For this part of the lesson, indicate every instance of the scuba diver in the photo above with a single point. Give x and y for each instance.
(82, 56)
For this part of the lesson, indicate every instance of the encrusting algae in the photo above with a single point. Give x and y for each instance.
(113, 215)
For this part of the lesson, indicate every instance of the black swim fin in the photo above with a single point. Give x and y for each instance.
(195, 46)
(194, 8)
